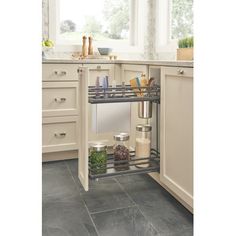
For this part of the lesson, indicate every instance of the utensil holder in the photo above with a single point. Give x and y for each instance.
(145, 109)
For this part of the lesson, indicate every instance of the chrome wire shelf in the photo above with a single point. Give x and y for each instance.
(123, 93)
(111, 166)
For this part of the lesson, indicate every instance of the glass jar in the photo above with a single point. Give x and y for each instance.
(121, 151)
(98, 159)
(143, 144)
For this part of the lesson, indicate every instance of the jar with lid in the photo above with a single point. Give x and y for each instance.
(143, 144)
(98, 159)
(121, 151)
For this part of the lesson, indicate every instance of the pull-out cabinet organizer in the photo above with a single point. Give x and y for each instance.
(120, 93)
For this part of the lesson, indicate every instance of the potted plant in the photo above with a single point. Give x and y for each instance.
(185, 50)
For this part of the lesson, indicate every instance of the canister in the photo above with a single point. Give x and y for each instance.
(98, 158)
(143, 144)
(121, 151)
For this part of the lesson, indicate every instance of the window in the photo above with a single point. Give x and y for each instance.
(174, 21)
(113, 23)
(181, 19)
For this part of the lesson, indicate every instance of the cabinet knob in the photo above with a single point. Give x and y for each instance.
(59, 100)
(180, 71)
(60, 135)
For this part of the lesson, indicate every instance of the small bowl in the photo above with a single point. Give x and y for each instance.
(105, 51)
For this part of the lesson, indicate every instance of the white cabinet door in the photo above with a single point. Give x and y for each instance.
(83, 126)
(176, 131)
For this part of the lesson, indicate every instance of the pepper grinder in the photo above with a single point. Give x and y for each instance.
(90, 47)
(84, 48)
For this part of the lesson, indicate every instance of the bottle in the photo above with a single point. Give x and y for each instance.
(143, 144)
(84, 47)
(90, 47)
(105, 86)
(97, 86)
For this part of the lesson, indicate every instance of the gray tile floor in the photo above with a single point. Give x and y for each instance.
(122, 206)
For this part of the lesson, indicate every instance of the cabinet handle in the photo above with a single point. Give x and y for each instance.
(59, 73)
(99, 67)
(180, 71)
(60, 135)
(59, 100)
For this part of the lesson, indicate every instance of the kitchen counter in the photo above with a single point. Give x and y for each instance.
(107, 61)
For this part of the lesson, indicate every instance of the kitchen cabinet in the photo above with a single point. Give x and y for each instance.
(176, 131)
(68, 123)
(85, 171)
(60, 111)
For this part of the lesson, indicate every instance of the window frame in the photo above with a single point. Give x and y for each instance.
(164, 42)
(136, 40)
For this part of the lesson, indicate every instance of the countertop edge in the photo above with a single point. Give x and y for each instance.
(134, 62)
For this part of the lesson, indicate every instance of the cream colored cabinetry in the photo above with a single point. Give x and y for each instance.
(176, 132)
(100, 70)
(60, 98)
(59, 72)
(129, 72)
(60, 111)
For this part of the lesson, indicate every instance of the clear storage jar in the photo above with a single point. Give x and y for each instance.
(121, 151)
(143, 144)
(98, 159)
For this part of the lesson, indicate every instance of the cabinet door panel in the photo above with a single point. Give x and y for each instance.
(59, 72)
(60, 134)
(60, 98)
(83, 127)
(177, 132)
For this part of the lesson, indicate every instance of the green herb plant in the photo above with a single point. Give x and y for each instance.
(186, 42)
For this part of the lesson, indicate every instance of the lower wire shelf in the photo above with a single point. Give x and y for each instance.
(110, 170)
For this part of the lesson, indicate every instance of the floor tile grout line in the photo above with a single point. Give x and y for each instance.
(119, 208)
(122, 188)
(136, 205)
(82, 199)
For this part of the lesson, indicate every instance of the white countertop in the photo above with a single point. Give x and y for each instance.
(107, 61)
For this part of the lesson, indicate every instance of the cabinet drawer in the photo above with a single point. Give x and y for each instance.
(59, 72)
(60, 98)
(60, 134)
(178, 71)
